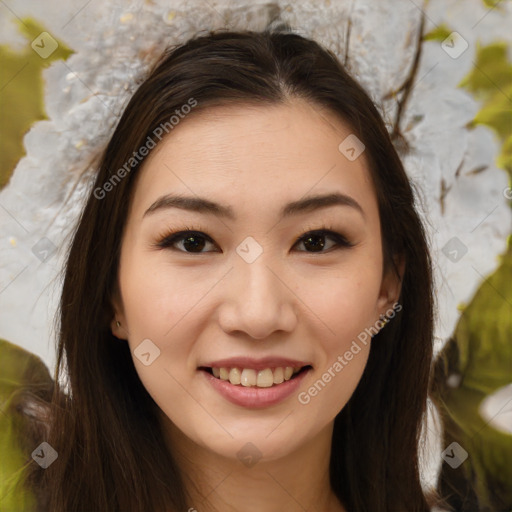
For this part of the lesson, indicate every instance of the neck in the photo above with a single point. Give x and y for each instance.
(297, 482)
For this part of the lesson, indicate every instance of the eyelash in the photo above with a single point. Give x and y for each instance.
(167, 239)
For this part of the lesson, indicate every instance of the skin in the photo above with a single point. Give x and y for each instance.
(289, 302)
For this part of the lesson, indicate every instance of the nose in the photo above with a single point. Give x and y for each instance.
(258, 301)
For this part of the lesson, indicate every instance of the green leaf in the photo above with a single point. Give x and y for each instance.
(505, 157)
(490, 82)
(21, 93)
(491, 71)
(491, 3)
(440, 33)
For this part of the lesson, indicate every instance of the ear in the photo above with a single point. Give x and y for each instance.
(118, 323)
(391, 285)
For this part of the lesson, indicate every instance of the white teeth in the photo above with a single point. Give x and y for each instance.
(278, 376)
(235, 376)
(248, 377)
(265, 378)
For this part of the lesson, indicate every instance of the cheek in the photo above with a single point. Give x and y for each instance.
(348, 310)
(164, 305)
(347, 306)
(351, 311)
(346, 303)
(157, 297)
(328, 392)
(158, 303)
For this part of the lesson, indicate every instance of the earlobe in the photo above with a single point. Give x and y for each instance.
(118, 323)
(391, 285)
(117, 329)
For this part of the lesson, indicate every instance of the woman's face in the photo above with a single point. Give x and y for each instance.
(252, 291)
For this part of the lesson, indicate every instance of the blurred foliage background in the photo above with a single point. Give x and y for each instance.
(477, 360)
(22, 105)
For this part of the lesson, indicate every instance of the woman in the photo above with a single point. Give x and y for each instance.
(246, 316)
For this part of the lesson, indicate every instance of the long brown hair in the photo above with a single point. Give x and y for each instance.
(105, 427)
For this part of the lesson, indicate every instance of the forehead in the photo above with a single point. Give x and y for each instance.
(242, 152)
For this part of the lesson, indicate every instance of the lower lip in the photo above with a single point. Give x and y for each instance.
(255, 397)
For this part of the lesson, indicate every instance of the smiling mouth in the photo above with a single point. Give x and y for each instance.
(248, 377)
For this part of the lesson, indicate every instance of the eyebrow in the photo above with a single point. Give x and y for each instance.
(202, 205)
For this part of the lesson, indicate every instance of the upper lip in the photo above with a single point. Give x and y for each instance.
(255, 364)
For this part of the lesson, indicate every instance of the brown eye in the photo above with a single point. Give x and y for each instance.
(315, 241)
(192, 241)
